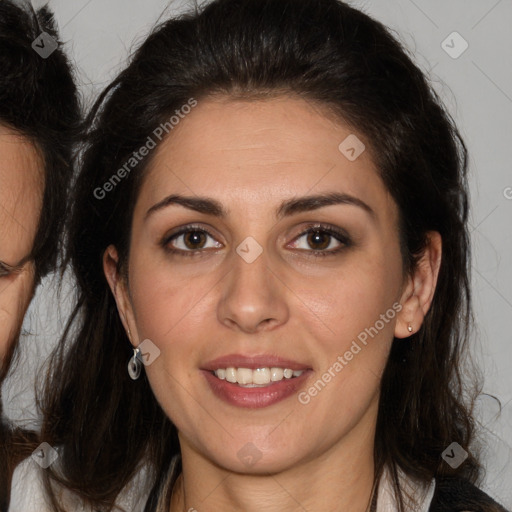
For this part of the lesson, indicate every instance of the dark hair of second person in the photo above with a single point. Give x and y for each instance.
(39, 118)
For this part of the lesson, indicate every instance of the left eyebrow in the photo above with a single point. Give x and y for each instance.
(288, 207)
(309, 203)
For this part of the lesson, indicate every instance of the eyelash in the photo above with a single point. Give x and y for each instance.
(340, 236)
(6, 270)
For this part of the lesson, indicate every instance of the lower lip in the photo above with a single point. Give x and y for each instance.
(254, 398)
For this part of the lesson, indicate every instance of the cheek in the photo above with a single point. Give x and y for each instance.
(353, 297)
(163, 301)
(15, 294)
(358, 306)
(172, 312)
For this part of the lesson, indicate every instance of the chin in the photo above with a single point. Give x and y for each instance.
(250, 460)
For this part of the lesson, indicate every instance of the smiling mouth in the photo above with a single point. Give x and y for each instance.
(257, 378)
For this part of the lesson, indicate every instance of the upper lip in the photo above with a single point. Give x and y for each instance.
(253, 362)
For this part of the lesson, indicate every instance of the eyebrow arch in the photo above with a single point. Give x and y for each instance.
(287, 208)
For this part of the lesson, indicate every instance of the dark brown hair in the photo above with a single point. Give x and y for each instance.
(38, 100)
(325, 52)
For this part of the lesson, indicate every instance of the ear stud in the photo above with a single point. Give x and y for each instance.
(409, 328)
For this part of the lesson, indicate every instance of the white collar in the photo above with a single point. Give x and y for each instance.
(417, 496)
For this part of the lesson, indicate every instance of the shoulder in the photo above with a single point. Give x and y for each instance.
(27, 492)
(457, 494)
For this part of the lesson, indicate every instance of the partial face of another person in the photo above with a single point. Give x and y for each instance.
(21, 195)
(258, 277)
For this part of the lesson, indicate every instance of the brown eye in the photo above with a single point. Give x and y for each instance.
(190, 240)
(194, 239)
(319, 240)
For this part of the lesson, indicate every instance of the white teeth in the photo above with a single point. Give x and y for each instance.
(276, 374)
(231, 374)
(244, 376)
(261, 376)
(254, 378)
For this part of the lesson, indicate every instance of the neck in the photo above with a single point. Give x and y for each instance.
(341, 478)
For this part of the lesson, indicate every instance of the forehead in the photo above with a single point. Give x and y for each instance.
(21, 190)
(21, 165)
(239, 149)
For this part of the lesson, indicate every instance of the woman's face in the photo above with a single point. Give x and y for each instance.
(21, 193)
(246, 289)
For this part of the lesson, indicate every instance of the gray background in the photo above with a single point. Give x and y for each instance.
(477, 88)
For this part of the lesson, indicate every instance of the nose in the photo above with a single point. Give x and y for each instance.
(253, 298)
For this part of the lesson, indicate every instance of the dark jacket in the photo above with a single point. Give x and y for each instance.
(455, 495)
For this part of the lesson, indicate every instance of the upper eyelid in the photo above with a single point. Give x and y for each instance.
(332, 231)
(6, 269)
(186, 229)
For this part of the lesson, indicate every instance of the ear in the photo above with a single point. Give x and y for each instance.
(420, 287)
(119, 288)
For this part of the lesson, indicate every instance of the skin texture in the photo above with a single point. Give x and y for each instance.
(21, 196)
(251, 156)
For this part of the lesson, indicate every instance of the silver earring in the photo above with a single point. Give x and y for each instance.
(135, 364)
(409, 328)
